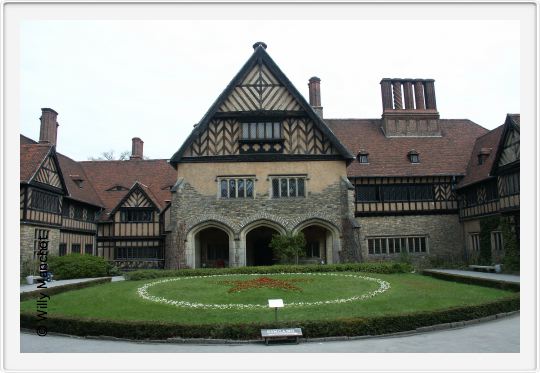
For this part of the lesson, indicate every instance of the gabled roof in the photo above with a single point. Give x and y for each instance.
(33, 155)
(137, 186)
(479, 172)
(157, 175)
(260, 56)
(512, 122)
(445, 155)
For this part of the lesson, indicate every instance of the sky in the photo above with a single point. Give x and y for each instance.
(111, 81)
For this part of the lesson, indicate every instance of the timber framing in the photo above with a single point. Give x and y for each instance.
(259, 57)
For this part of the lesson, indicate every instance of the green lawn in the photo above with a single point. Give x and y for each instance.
(408, 293)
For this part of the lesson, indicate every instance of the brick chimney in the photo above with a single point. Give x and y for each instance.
(136, 148)
(49, 126)
(315, 95)
(409, 108)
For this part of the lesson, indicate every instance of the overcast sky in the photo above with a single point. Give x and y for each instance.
(114, 80)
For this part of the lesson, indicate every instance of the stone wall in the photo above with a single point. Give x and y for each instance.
(238, 215)
(445, 237)
(27, 241)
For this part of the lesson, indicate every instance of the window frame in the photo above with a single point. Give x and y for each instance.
(287, 178)
(126, 211)
(395, 245)
(253, 129)
(246, 179)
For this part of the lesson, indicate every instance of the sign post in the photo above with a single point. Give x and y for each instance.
(275, 303)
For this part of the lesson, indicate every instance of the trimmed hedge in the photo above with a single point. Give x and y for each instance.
(497, 284)
(78, 266)
(249, 331)
(63, 288)
(386, 268)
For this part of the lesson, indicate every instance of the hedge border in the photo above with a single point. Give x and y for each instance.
(63, 288)
(353, 327)
(378, 267)
(492, 283)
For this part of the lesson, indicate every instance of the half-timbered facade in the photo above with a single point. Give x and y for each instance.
(265, 161)
(489, 193)
(261, 161)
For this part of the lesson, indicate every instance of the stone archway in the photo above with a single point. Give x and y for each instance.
(322, 241)
(210, 244)
(256, 239)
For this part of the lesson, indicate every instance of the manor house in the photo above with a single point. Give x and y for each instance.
(262, 161)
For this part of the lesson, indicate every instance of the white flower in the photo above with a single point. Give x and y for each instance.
(143, 293)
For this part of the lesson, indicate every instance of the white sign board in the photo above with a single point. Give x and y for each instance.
(275, 303)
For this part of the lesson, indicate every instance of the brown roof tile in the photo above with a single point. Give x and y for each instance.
(446, 155)
(478, 172)
(157, 175)
(72, 170)
(32, 156)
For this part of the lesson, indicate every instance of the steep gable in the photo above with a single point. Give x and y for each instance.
(508, 152)
(260, 113)
(48, 173)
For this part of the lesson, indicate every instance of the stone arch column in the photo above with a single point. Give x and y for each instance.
(333, 237)
(193, 248)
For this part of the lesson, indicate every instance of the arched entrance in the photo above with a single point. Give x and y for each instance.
(258, 250)
(212, 248)
(317, 241)
(322, 241)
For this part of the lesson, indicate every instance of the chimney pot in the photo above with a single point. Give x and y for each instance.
(49, 126)
(136, 148)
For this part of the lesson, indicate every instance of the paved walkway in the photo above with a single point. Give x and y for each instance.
(486, 275)
(26, 288)
(500, 335)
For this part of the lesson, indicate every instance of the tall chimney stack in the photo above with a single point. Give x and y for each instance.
(136, 148)
(315, 95)
(49, 126)
(409, 108)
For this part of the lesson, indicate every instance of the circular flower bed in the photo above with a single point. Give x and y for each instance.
(258, 283)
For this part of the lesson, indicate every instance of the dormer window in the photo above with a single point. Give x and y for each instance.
(362, 156)
(117, 188)
(77, 180)
(483, 154)
(413, 156)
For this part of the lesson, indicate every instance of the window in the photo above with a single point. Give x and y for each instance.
(78, 213)
(397, 245)
(496, 241)
(62, 249)
(138, 253)
(491, 190)
(475, 242)
(413, 156)
(76, 248)
(394, 193)
(367, 193)
(286, 187)
(362, 157)
(236, 187)
(261, 131)
(45, 201)
(136, 215)
(89, 249)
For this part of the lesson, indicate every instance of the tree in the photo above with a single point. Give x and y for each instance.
(289, 246)
(109, 156)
